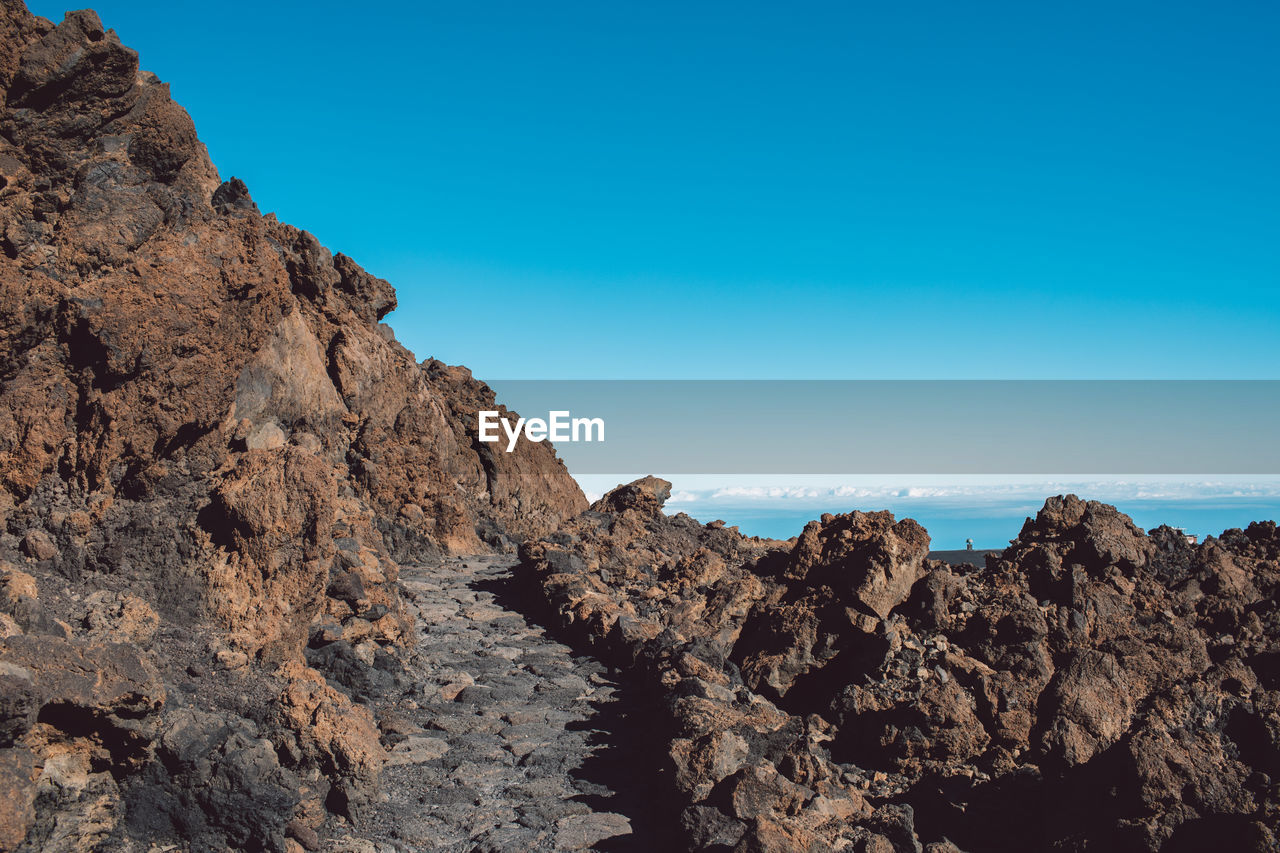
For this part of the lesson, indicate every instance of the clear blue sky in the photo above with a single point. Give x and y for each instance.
(668, 190)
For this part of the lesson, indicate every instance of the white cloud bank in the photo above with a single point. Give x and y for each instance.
(707, 492)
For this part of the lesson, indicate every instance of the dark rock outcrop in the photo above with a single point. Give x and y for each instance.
(212, 453)
(1091, 687)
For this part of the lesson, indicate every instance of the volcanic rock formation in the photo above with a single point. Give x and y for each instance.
(214, 458)
(1091, 687)
(212, 454)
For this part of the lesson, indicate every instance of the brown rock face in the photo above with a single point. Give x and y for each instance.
(204, 424)
(77, 717)
(156, 325)
(105, 692)
(867, 559)
(844, 574)
(1090, 688)
(675, 599)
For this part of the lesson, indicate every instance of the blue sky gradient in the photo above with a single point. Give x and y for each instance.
(714, 190)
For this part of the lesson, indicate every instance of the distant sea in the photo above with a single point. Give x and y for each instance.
(990, 522)
(989, 509)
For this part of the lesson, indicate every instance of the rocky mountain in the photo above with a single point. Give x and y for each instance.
(214, 460)
(1090, 688)
(212, 456)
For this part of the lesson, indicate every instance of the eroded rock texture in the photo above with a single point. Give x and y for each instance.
(212, 455)
(1091, 687)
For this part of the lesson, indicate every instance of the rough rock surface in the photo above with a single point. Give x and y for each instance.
(209, 446)
(214, 458)
(1091, 687)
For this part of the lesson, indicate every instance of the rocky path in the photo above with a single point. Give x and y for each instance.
(513, 743)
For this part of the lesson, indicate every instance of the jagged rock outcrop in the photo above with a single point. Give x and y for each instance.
(79, 716)
(1091, 687)
(211, 451)
(213, 456)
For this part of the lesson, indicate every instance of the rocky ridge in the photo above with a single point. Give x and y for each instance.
(217, 467)
(213, 456)
(1091, 687)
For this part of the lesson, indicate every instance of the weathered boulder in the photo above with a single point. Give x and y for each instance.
(844, 574)
(106, 691)
(326, 730)
(119, 617)
(869, 560)
(37, 545)
(216, 781)
(76, 718)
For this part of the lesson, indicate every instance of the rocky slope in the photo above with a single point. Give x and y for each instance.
(1091, 687)
(212, 456)
(214, 459)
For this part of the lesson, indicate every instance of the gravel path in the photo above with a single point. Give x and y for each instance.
(515, 743)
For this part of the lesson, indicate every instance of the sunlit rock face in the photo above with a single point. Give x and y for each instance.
(202, 419)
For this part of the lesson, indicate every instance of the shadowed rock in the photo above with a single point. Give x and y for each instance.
(1091, 686)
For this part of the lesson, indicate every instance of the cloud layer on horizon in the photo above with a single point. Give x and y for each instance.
(740, 491)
